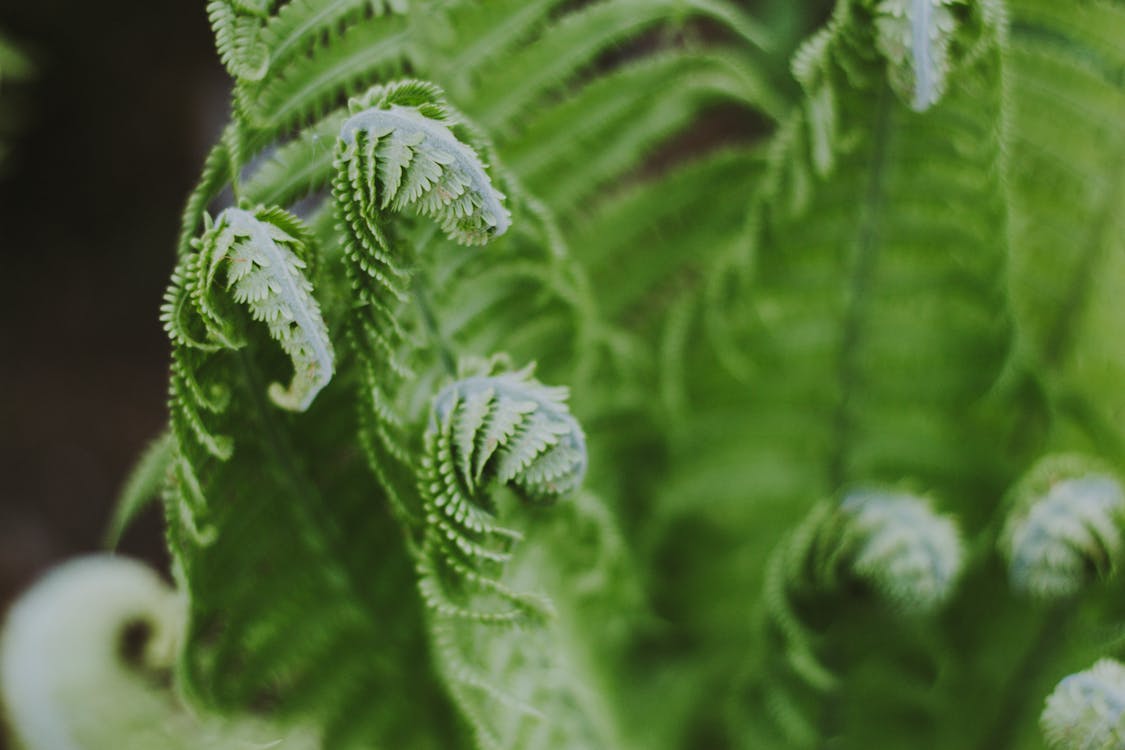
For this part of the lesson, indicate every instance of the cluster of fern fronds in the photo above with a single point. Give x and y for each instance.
(509, 410)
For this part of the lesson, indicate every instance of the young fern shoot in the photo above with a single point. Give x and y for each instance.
(523, 686)
(1087, 709)
(892, 542)
(503, 428)
(915, 36)
(1065, 524)
(400, 152)
(264, 255)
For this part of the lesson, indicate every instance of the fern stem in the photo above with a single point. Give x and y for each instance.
(1017, 700)
(863, 266)
(421, 298)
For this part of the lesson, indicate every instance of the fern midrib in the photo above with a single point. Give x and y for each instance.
(867, 251)
(1015, 704)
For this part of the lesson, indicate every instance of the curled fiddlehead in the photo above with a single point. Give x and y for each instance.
(908, 553)
(1064, 525)
(265, 253)
(1086, 711)
(915, 37)
(403, 150)
(482, 548)
(504, 428)
(403, 139)
(893, 543)
(84, 655)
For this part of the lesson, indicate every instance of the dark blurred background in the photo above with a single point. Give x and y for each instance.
(112, 131)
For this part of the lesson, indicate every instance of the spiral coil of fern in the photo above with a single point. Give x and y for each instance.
(1065, 524)
(265, 255)
(895, 543)
(1086, 711)
(504, 428)
(403, 150)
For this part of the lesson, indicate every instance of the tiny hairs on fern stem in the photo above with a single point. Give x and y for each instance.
(1064, 523)
(1086, 711)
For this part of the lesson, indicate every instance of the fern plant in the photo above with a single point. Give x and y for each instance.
(508, 411)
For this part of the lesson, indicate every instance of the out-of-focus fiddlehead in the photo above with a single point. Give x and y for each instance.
(892, 543)
(1064, 525)
(1087, 709)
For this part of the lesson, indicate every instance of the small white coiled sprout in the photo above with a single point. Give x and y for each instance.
(1064, 524)
(1087, 710)
(915, 37)
(911, 555)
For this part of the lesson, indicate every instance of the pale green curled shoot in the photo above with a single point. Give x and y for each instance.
(401, 145)
(402, 151)
(1086, 711)
(265, 256)
(522, 424)
(501, 428)
(908, 553)
(85, 655)
(892, 542)
(1064, 526)
(916, 36)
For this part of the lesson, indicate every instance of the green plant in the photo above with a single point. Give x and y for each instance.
(839, 456)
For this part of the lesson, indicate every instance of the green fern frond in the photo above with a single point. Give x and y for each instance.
(299, 25)
(306, 87)
(923, 43)
(474, 34)
(238, 36)
(527, 77)
(860, 280)
(849, 302)
(894, 543)
(504, 428)
(298, 168)
(144, 485)
(567, 165)
(528, 686)
(403, 150)
(1066, 169)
